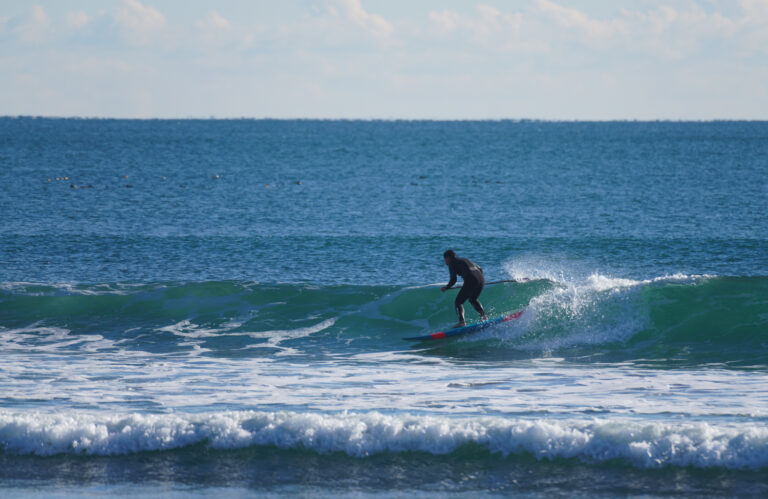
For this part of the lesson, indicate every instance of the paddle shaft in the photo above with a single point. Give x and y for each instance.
(497, 282)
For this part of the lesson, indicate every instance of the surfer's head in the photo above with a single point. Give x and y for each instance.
(449, 256)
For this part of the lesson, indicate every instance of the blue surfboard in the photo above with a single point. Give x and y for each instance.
(466, 329)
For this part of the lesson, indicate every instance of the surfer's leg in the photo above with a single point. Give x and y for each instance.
(479, 308)
(459, 304)
(473, 300)
(460, 314)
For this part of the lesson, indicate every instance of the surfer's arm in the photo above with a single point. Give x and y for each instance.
(452, 281)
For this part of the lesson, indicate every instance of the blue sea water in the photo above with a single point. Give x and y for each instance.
(217, 307)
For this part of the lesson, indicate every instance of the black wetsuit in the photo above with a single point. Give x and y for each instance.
(474, 280)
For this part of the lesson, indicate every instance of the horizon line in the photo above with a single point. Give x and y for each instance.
(392, 119)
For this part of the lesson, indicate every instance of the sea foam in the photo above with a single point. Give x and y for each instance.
(643, 444)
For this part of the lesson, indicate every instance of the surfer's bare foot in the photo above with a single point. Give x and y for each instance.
(459, 324)
(484, 317)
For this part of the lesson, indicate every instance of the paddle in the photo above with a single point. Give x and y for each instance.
(524, 279)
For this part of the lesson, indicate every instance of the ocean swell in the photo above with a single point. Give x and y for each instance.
(691, 319)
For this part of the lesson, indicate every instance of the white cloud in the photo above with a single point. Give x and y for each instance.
(547, 26)
(446, 19)
(37, 27)
(487, 26)
(488, 12)
(343, 25)
(78, 20)
(214, 20)
(215, 31)
(139, 23)
(571, 18)
(756, 9)
(756, 18)
(375, 25)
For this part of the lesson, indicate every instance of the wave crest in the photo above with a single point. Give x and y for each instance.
(647, 445)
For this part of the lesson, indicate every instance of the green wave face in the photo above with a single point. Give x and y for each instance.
(666, 322)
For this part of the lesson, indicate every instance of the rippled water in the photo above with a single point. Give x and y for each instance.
(208, 306)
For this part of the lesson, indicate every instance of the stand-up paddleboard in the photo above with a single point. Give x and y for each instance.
(466, 329)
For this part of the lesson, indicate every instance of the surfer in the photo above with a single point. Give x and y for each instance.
(474, 281)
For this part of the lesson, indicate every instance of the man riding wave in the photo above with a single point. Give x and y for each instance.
(474, 280)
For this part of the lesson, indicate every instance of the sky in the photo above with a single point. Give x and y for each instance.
(386, 59)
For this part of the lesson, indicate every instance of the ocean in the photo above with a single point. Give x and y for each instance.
(199, 307)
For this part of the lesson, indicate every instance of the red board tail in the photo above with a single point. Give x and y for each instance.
(513, 316)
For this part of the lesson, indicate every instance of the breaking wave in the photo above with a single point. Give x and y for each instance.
(642, 444)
